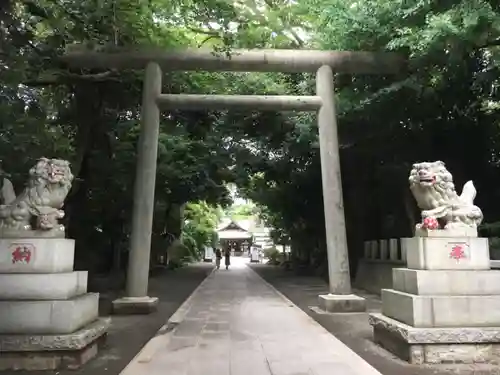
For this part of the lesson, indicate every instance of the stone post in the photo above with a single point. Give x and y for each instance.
(402, 245)
(374, 250)
(340, 298)
(136, 299)
(384, 249)
(393, 250)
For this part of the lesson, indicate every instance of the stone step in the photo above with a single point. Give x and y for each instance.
(446, 282)
(441, 311)
(42, 286)
(441, 253)
(36, 255)
(48, 317)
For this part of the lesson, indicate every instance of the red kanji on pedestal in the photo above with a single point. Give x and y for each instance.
(21, 254)
(457, 252)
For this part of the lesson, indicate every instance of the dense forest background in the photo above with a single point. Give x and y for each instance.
(446, 106)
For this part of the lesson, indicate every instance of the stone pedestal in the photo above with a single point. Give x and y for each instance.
(135, 305)
(340, 303)
(445, 307)
(48, 321)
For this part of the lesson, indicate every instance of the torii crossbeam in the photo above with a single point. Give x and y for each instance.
(154, 60)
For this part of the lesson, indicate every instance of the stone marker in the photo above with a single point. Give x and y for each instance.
(393, 250)
(48, 320)
(254, 254)
(208, 254)
(445, 307)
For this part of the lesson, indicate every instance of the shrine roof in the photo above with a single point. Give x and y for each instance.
(233, 225)
(234, 234)
(241, 229)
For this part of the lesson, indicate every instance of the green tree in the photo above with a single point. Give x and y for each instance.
(92, 117)
(242, 211)
(200, 227)
(444, 107)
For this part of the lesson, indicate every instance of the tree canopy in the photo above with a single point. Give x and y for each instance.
(446, 106)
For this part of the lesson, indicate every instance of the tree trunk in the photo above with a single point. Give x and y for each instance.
(88, 108)
(174, 223)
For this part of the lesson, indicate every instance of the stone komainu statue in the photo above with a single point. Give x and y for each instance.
(38, 207)
(442, 208)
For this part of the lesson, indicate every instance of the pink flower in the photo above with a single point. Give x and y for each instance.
(430, 223)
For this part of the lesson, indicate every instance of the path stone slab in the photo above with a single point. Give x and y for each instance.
(251, 329)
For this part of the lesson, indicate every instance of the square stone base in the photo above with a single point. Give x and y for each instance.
(464, 231)
(338, 303)
(441, 253)
(36, 255)
(48, 317)
(446, 282)
(52, 352)
(437, 345)
(135, 305)
(42, 286)
(441, 311)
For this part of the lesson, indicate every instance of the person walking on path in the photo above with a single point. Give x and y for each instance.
(227, 258)
(218, 257)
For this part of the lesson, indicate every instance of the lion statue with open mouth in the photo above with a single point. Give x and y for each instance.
(37, 210)
(442, 208)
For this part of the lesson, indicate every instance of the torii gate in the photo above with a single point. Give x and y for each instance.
(324, 63)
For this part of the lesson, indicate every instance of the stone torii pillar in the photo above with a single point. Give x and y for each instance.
(340, 298)
(324, 63)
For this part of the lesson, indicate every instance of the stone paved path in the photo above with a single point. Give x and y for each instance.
(235, 323)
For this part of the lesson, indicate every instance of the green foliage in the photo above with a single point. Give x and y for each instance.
(199, 230)
(92, 117)
(494, 248)
(273, 255)
(446, 106)
(490, 229)
(447, 102)
(242, 211)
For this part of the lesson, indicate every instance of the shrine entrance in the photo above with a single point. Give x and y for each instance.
(235, 238)
(323, 63)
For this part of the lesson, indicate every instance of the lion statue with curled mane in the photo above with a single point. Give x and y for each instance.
(37, 210)
(442, 208)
